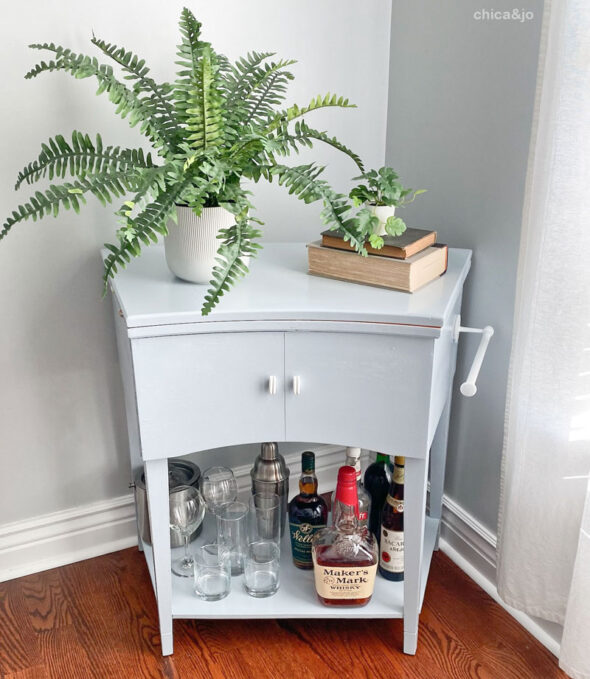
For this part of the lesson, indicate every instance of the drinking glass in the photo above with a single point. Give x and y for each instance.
(263, 554)
(231, 533)
(212, 572)
(187, 509)
(218, 487)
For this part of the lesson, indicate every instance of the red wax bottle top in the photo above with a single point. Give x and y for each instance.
(346, 492)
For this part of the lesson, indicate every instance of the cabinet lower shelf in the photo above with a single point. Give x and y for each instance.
(296, 597)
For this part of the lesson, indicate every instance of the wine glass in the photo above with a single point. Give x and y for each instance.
(187, 509)
(219, 487)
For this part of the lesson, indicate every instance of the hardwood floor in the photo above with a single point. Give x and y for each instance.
(98, 618)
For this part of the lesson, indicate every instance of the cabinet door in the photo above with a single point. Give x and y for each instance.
(196, 392)
(362, 390)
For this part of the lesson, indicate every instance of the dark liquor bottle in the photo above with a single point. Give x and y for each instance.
(308, 513)
(377, 480)
(391, 560)
(345, 555)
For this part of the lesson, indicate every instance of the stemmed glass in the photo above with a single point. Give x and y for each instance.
(187, 509)
(219, 487)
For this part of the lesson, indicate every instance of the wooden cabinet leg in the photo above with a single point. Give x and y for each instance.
(156, 476)
(414, 517)
(437, 464)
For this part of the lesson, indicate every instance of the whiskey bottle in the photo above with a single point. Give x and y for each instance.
(345, 555)
(353, 459)
(391, 559)
(377, 480)
(308, 513)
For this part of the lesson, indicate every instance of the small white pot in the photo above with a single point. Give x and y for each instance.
(382, 212)
(191, 245)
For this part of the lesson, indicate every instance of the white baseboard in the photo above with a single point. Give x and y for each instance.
(473, 548)
(64, 537)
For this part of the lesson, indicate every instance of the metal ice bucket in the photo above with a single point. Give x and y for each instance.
(180, 473)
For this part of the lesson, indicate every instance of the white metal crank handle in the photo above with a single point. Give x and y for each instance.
(272, 385)
(296, 385)
(469, 388)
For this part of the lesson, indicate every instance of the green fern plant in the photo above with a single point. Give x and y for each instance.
(217, 124)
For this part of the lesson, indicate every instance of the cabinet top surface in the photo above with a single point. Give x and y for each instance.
(277, 288)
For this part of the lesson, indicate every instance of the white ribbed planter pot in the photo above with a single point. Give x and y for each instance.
(192, 244)
(382, 212)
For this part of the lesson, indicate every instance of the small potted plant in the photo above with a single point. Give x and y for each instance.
(380, 193)
(217, 124)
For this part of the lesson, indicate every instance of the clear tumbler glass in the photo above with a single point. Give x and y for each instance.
(231, 533)
(263, 554)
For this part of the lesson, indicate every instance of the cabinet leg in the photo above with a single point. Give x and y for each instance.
(156, 476)
(414, 517)
(437, 464)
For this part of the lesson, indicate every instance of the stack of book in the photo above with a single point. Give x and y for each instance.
(405, 262)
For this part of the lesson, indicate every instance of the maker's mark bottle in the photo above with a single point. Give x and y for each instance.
(353, 459)
(345, 555)
(391, 559)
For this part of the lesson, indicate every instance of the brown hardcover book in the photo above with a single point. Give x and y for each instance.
(409, 243)
(385, 272)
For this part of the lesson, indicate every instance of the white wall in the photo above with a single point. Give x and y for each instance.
(460, 112)
(62, 432)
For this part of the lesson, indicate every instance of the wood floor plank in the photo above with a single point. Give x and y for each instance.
(38, 672)
(495, 638)
(19, 648)
(64, 655)
(98, 618)
(45, 601)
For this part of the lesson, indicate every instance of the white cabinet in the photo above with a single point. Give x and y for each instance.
(288, 357)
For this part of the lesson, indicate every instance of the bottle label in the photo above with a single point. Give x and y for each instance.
(398, 475)
(344, 582)
(392, 550)
(398, 505)
(301, 536)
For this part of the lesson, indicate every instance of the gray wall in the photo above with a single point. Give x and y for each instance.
(461, 95)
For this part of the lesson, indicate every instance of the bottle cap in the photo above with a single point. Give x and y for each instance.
(307, 461)
(354, 453)
(346, 492)
(400, 461)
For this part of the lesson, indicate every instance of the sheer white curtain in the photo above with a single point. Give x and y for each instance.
(544, 524)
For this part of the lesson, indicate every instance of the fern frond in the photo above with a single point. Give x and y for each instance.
(160, 95)
(205, 121)
(283, 141)
(268, 93)
(128, 103)
(303, 181)
(239, 78)
(254, 89)
(197, 92)
(104, 186)
(238, 241)
(80, 158)
(144, 228)
(296, 111)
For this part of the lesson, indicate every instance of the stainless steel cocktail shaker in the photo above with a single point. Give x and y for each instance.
(270, 474)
